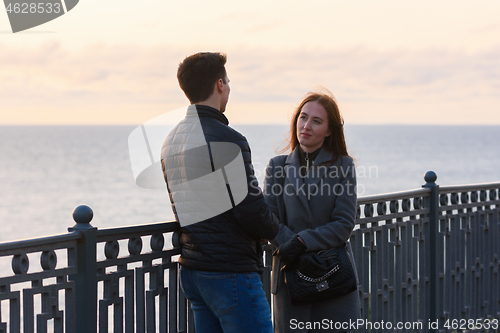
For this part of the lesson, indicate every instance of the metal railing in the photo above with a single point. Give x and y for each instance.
(111, 281)
(428, 259)
(423, 257)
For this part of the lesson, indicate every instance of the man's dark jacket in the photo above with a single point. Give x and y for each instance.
(228, 242)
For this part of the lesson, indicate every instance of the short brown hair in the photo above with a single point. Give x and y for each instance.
(335, 142)
(198, 73)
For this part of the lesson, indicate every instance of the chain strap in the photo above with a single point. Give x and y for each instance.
(315, 280)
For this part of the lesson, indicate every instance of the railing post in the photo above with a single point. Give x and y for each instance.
(86, 278)
(433, 204)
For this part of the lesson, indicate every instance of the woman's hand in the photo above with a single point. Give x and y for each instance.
(311, 264)
(288, 252)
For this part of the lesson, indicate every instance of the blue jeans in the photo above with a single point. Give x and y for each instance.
(226, 302)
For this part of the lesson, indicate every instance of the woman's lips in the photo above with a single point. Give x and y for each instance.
(305, 134)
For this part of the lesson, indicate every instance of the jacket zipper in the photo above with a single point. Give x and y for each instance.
(307, 162)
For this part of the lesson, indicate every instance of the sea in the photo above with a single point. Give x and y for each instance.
(47, 171)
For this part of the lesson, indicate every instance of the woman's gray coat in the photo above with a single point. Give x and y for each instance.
(321, 209)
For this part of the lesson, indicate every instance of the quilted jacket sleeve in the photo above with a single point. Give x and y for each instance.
(273, 185)
(253, 214)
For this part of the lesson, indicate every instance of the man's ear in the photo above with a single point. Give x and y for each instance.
(220, 85)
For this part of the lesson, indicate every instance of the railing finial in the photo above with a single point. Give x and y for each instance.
(430, 177)
(83, 215)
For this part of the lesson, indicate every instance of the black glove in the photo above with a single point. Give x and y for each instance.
(289, 251)
(311, 264)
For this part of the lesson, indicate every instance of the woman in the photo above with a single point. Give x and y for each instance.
(316, 205)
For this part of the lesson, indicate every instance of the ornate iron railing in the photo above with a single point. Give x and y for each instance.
(428, 259)
(389, 248)
(424, 256)
(111, 281)
(20, 300)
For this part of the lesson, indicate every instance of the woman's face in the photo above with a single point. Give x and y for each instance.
(312, 126)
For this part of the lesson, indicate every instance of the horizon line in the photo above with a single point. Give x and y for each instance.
(248, 124)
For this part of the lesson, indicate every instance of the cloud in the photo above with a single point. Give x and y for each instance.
(97, 73)
(114, 75)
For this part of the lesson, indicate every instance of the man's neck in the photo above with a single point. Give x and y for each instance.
(212, 102)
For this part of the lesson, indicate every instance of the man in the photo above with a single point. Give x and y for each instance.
(205, 162)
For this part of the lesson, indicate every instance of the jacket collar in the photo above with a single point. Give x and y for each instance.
(324, 156)
(205, 111)
(321, 165)
(315, 174)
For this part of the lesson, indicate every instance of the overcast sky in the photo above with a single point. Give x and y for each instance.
(388, 61)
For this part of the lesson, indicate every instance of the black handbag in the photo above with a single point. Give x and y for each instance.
(336, 278)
